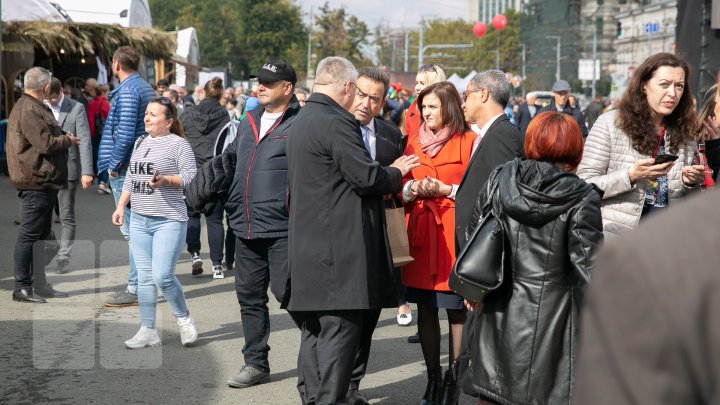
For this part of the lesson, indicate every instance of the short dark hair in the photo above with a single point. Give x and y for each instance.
(55, 86)
(452, 112)
(377, 75)
(128, 58)
(163, 82)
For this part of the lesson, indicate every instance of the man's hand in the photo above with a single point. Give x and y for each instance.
(86, 180)
(405, 163)
(74, 140)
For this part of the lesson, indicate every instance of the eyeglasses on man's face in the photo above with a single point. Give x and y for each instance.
(362, 96)
(467, 93)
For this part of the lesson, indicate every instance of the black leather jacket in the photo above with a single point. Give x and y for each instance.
(525, 345)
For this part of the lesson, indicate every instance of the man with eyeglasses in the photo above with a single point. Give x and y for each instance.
(384, 143)
(257, 210)
(339, 259)
(498, 141)
(123, 126)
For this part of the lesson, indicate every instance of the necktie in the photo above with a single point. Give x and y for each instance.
(366, 138)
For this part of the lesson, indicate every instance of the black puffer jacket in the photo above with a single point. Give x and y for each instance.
(202, 124)
(526, 341)
(257, 203)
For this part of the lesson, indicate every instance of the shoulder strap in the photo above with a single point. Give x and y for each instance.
(139, 141)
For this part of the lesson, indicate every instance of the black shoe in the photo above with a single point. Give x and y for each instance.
(449, 392)
(356, 398)
(47, 291)
(62, 267)
(26, 295)
(414, 338)
(432, 391)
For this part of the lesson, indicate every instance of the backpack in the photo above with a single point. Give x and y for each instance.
(99, 124)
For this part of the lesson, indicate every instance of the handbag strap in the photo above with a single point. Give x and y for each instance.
(491, 188)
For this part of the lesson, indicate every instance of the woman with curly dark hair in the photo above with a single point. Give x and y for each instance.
(625, 152)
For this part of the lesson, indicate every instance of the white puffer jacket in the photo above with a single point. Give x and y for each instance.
(607, 159)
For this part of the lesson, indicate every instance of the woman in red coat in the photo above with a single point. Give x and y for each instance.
(444, 145)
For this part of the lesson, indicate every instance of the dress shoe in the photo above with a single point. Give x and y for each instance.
(26, 295)
(62, 267)
(432, 391)
(449, 392)
(356, 398)
(414, 338)
(47, 291)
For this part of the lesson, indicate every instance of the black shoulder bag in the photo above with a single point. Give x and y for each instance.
(478, 268)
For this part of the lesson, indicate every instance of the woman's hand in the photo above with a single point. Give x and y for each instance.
(692, 175)
(432, 188)
(711, 130)
(472, 305)
(646, 169)
(118, 216)
(159, 180)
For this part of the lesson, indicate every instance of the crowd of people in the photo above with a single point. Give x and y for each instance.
(294, 186)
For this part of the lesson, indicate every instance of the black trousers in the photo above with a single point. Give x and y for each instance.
(36, 208)
(259, 263)
(215, 233)
(370, 320)
(329, 347)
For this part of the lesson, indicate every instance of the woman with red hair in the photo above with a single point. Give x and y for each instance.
(525, 341)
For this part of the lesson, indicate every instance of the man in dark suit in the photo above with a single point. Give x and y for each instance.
(72, 118)
(499, 141)
(561, 95)
(526, 112)
(384, 141)
(340, 266)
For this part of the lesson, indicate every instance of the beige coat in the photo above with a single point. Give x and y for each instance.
(606, 162)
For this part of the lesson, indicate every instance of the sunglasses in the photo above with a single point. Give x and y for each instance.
(428, 68)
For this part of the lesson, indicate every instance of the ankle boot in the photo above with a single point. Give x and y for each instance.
(433, 387)
(449, 392)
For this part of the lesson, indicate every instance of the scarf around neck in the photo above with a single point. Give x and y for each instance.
(432, 143)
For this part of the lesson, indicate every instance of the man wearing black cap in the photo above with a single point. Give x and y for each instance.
(561, 93)
(257, 208)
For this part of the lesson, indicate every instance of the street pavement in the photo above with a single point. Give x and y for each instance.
(70, 351)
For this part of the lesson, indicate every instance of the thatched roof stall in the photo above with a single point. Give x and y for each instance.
(69, 49)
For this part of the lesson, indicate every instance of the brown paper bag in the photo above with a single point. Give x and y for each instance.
(397, 236)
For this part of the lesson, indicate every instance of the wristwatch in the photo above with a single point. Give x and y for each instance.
(112, 173)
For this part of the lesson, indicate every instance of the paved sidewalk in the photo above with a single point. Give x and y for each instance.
(70, 351)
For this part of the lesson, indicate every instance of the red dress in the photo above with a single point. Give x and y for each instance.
(431, 222)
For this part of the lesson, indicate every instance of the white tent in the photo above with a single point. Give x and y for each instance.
(187, 52)
(30, 10)
(127, 13)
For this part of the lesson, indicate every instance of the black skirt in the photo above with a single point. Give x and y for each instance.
(437, 299)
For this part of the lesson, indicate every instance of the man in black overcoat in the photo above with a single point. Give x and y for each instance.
(486, 96)
(340, 266)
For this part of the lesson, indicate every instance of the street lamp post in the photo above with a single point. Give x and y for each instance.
(557, 57)
(442, 46)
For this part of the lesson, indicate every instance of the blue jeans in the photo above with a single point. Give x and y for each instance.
(116, 184)
(157, 243)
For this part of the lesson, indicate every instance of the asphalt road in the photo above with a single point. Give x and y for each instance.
(70, 351)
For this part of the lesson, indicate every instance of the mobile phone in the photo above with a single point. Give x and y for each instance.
(663, 158)
(156, 176)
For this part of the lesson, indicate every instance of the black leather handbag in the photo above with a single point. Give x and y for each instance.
(479, 267)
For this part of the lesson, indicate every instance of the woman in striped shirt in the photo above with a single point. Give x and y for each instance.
(162, 164)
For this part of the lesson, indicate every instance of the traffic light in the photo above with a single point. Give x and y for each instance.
(618, 30)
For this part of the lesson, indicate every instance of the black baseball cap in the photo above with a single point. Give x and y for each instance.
(275, 71)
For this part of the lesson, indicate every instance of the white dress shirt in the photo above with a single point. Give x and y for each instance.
(370, 138)
(56, 109)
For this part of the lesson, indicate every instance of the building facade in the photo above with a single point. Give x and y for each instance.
(485, 10)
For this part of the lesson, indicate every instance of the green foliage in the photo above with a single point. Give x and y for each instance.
(245, 33)
(337, 33)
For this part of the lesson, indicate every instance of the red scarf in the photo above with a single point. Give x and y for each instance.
(432, 143)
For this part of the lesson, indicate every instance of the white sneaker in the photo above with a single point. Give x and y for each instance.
(188, 333)
(218, 272)
(145, 337)
(197, 264)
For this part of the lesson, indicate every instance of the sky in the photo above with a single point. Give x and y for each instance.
(394, 13)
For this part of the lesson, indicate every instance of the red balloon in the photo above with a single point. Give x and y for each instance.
(479, 29)
(499, 22)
